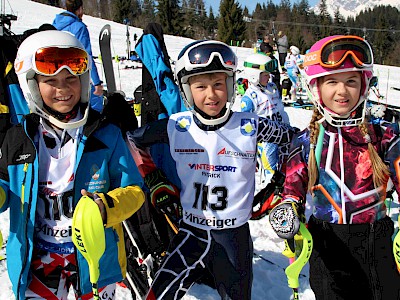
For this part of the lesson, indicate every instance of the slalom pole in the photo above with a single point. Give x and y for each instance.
(1, 245)
(89, 238)
(304, 240)
(396, 247)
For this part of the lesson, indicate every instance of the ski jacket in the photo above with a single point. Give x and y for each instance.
(12, 102)
(291, 63)
(150, 52)
(68, 21)
(103, 165)
(264, 102)
(282, 44)
(350, 189)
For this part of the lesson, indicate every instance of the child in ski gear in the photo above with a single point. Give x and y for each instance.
(345, 163)
(214, 151)
(71, 20)
(291, 67)
(262, 98)
(60, 152)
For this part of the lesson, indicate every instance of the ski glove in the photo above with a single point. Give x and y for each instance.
(268, 197)
(285, 219)
(164, 195)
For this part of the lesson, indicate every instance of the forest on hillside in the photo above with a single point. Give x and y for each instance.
(236, 25)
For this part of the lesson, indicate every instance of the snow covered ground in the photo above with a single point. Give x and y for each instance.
(269, 278)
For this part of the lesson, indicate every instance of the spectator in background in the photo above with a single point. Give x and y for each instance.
(283, 45)
(266, 48)
(71, 20)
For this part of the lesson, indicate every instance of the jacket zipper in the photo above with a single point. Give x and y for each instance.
(26, 223)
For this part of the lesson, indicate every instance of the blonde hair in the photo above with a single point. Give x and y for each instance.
(380, 171)
(206, 75)
(312, 162)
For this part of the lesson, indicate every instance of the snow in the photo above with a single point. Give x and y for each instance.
(269, 278)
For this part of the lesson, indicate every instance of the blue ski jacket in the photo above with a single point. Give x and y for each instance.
(103, 165)
(151, 54)
(67, 21)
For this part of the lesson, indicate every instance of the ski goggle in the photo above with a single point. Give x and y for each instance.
(201, 55)
(334, 52)
(50, 61)
(270, 66)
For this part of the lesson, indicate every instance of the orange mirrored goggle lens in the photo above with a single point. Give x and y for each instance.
(48, 61)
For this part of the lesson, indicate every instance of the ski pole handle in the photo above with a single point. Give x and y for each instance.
(293, 270)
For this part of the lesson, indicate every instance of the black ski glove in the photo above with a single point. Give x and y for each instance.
(285, 219)
(164, 195)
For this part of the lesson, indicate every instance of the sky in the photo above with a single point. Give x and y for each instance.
(250, 4)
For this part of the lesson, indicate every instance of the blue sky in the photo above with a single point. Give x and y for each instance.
(251, 4)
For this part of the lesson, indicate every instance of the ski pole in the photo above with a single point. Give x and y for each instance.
(396, 247)
(304, 240)
(89, 238)
(173, 226)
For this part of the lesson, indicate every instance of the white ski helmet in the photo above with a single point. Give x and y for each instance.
(204, 57)
(256, 64)
(294, 50)
(26, 69)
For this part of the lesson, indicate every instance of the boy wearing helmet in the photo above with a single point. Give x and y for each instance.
(60, 152)
(262, 98)
(214, 151)
(345, 163)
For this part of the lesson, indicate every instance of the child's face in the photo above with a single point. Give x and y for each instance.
(264, 78)
(209, 92)
(60, 92)
(340, 92)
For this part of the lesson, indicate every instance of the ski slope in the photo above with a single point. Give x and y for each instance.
(269, 278)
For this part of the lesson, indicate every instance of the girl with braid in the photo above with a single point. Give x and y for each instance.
(345, 163)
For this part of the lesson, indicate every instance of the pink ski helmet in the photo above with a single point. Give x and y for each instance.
(339, 54)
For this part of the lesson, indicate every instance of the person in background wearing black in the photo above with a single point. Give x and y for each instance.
(268, 49)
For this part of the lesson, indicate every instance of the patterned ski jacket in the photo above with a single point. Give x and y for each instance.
(116, 179)
(343, 194)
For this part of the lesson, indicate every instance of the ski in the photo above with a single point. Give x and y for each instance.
(106, 57)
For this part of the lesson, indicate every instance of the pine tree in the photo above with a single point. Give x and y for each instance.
(325, 19)
(169, 16)
(122, 10)
(212, 24)
(231, 26)
(104, 9)
(338, 20)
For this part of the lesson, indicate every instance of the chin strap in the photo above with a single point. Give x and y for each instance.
(205, 116)
(62, 116)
